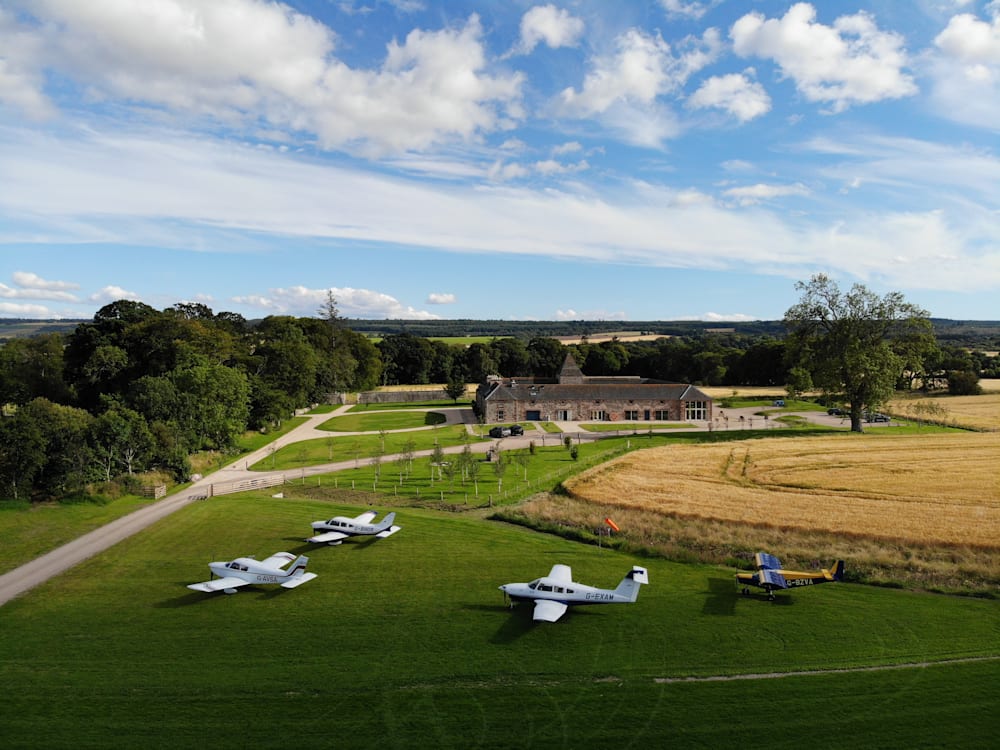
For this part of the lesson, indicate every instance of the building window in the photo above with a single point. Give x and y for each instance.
(500, 414)
(661, 415)
(563, 415)
(599, 415)
(696, 410)
(632, 415)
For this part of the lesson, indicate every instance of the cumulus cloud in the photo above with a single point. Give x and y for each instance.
(850, 62)
(642, 68)
(441, 298)
(554, 26)
(254, 61)
(353, 303)
(113, 293)
(628, 91)
(19, 310)
(966, 71)
(735, 93)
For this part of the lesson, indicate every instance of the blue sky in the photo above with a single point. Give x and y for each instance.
(585, 159)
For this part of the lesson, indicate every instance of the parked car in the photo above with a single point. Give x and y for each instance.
(876, 417)
(778, 402)
(835, 412)
(499, 432)
(516, 429)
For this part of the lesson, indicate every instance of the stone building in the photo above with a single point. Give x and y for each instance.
(575, 397)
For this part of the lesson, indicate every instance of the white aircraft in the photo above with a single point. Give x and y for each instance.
(556, 591)
(246, 570)
(339, 528)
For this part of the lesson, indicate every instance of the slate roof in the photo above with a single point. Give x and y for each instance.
(635, 391)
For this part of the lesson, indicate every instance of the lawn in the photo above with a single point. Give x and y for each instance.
(406, 643)
(383, 420)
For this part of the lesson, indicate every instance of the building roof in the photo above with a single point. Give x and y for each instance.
(635, 391)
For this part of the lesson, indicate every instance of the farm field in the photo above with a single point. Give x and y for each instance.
(975, 412)
(405, 642)
(940, 488)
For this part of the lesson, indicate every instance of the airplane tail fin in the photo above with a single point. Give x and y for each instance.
(298, 567)
(629, 587)
(838, 571)
(387, 521)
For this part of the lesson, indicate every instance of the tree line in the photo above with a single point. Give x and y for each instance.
(136, 388)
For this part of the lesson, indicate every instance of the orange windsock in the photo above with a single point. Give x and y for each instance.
(612, 524)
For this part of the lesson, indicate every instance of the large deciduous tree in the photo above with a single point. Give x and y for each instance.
(850, 341)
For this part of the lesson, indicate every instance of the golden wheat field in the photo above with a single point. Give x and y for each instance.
(975, 412)
(925, 489)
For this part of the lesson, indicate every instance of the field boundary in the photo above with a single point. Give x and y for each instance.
(815, 672)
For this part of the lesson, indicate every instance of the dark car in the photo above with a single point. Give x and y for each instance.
(835, 412)
(499, 432)
(876, 417)
(516, 429)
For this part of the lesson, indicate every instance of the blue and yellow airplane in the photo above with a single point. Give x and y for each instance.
(770, 576)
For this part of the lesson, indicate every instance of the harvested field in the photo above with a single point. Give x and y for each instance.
(920, 489)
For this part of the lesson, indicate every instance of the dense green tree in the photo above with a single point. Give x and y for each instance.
(546, 356)
(121, 441)
(22, 455)
(33, 368)
(479, 363)
(214, 405)
(407, 359)
(65, 431)
(846, 340)
(511, 356)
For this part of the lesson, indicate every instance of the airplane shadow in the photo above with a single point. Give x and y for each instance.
(722, 596)
(197, 597)
(517, 623)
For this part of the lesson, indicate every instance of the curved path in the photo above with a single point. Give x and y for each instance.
(53, 563)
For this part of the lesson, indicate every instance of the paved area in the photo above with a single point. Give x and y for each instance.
(58, 560)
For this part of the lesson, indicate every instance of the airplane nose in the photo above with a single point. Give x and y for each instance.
(502, 588)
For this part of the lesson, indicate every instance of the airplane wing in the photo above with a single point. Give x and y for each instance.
(278, 560)
(366, 517)
(388, 532)
(298, 580)
(547, 610)
(218, 584)
(766, 561)
(561, 573)
(327, 536)
(773, 577)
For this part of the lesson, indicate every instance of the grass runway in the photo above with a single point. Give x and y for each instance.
(405, 643)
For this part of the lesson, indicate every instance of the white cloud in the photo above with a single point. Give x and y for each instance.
(260, 63)
(549, 24)
(440, 298)
(642, 68)
(32, 286)
(682, 8)
(851, 62)
(18, 310)
(572, 314)
(751, 194)
(113, 294)
(966, 71)
(34, 281)
(713, 317)
(735, 93)
(158, 187)
(353, 303)
(570, 147)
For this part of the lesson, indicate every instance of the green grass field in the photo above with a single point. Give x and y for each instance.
(389, 420)
(405, 643)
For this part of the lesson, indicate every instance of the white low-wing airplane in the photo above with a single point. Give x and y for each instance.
(246, 570)
(339, 528)
(556, 591)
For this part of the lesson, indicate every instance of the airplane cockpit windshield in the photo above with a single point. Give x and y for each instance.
(533, 585)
